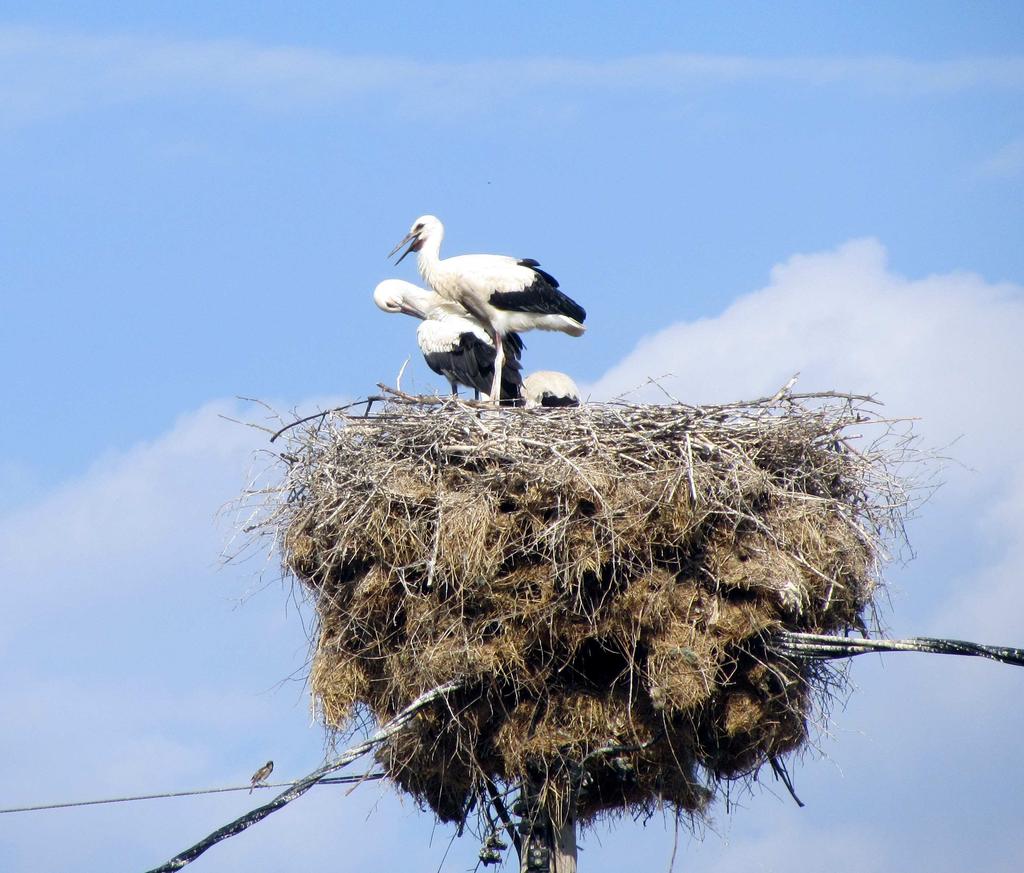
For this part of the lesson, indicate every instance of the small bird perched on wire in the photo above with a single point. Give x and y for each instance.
(261, 775)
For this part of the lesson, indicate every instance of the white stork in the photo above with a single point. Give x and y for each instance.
(453, 343)
(550, 388)
(506, 294)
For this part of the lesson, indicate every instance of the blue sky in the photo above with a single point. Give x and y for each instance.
(197, 204)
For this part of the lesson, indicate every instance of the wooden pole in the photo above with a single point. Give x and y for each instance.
(548, 848)
(564, 860)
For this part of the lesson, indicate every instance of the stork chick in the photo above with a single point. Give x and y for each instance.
(550, 388)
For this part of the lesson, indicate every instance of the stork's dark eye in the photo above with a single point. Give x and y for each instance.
(418, 228)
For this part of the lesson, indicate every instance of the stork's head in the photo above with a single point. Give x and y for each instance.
(424, 228)
(396, 295)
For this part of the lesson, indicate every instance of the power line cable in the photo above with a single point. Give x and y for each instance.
(331, 780)
(824, 647)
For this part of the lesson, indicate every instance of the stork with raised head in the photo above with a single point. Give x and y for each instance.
(454, 344)
(507, 294)
(550, 388)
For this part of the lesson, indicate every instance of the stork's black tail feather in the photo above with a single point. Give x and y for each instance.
(471, 363)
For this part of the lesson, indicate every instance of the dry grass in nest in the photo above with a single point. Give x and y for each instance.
(600, 581)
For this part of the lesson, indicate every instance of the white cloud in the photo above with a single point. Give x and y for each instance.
(990, 605)
(1006, 163)
(944, 348)
(45, 74)
(134, 519)
(140, 518)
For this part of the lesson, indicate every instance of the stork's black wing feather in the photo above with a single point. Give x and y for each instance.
(541, 296)
(471, 363)
(535, 266)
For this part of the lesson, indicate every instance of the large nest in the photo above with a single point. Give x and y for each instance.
(602, 582)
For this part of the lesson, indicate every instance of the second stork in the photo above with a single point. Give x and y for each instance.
(454, 345)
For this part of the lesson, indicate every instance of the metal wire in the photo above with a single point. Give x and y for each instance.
(333, 780)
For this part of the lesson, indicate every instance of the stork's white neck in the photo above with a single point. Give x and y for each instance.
(429, 255)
